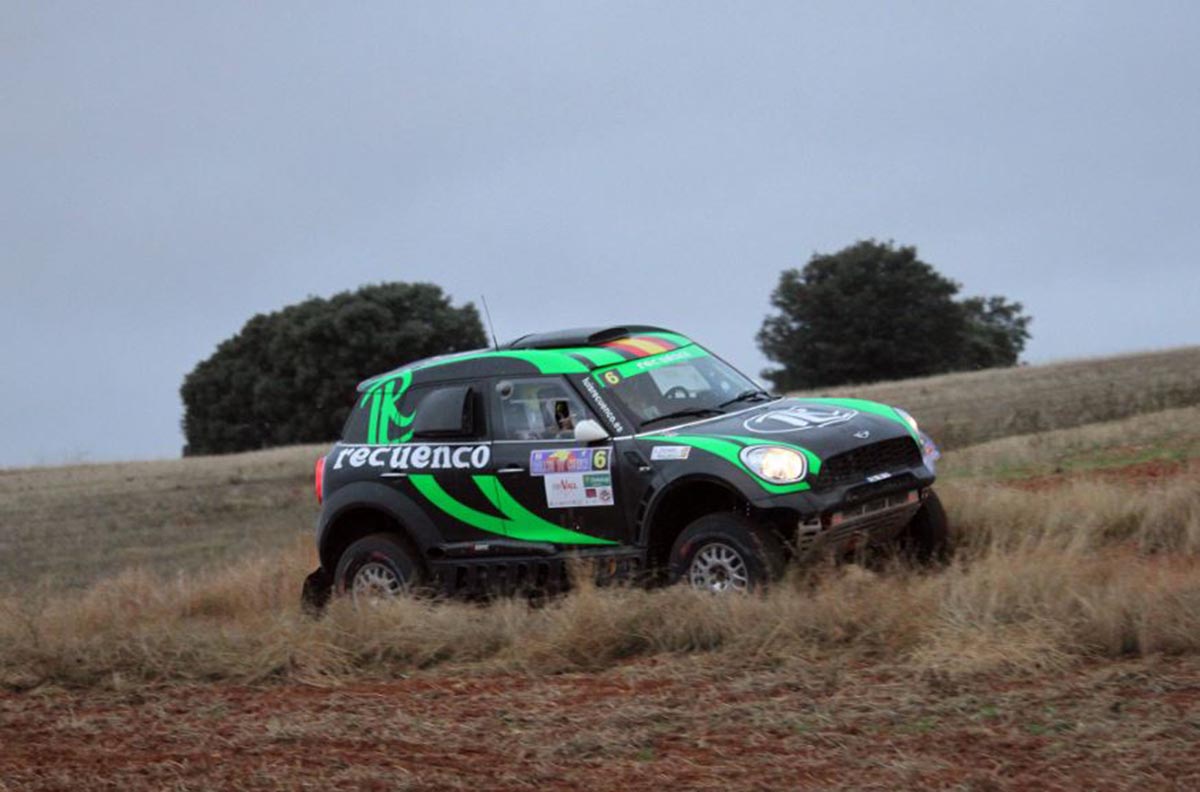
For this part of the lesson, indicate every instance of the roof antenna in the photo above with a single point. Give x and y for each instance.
(488, 314)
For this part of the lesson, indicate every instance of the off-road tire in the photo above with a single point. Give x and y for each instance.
(388, 554)
(926, 539)
(758, 548)
(315, 594)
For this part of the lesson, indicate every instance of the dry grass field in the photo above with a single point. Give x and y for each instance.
(150, 634)
(74, 525)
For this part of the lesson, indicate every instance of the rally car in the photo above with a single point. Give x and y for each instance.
(632, 447)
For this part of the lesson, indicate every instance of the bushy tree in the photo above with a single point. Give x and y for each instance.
(996, 332)
(289, 376)
(874, 311)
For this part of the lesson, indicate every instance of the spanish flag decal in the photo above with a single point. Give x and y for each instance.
(640, 346)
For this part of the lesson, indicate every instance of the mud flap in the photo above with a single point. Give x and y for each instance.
(318, 588)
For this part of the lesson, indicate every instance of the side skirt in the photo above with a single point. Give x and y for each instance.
(534, 574)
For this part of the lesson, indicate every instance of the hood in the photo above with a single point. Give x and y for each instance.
(823, 426)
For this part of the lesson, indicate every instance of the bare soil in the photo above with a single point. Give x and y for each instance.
(682, 722)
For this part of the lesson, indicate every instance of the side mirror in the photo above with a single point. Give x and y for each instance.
(588, 431)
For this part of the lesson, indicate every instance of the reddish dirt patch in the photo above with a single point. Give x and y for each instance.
(679, 723)
(1141, 474)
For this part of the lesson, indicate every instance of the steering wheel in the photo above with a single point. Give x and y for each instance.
(677, 392)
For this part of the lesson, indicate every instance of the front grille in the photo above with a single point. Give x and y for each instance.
(854, 466)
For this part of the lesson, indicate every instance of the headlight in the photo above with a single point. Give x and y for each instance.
(908, 419)
(780, 465)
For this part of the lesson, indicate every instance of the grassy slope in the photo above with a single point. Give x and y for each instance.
(77, 524)
(1169, 436)
(964, 409)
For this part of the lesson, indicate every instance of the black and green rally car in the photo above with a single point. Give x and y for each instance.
(633, 447)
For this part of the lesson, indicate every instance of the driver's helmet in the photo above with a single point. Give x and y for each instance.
(562, 415)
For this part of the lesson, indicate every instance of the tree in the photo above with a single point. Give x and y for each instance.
(874, 311)
(996, 332)
(289, 376)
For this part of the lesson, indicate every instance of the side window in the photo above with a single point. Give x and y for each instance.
(357, 422)
(396, 413)
(448, 412)
(542, 408)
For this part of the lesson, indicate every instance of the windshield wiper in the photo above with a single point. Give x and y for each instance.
(689, 412)
(746, 394)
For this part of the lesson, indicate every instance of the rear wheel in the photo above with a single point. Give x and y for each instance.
(377, 567)
(926, 539)
(725, 553)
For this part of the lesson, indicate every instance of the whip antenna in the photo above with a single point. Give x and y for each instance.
(488, 314)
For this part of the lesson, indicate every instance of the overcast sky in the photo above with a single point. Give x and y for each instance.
(166, 172)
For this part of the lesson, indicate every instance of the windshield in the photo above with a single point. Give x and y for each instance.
(684, 384)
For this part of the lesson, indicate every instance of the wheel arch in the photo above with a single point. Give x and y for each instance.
(365, 508)
(678, 504)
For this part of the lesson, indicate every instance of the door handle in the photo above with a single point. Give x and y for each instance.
(638, 461)
(511, 469)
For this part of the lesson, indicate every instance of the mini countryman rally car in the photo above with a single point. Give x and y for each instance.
(630, 446)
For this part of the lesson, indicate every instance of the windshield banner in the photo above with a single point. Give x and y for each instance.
(613, 375)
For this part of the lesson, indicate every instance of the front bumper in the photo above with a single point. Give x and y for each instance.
(874, 522)
(812, 503)
(871, 510)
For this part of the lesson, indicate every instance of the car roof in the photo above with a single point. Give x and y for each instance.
(572, 351)
(578, 337)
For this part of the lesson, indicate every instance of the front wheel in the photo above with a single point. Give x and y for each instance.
(725, 553)
(926, 539)
(377, 567)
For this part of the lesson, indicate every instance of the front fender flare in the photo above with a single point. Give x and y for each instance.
(683, 480)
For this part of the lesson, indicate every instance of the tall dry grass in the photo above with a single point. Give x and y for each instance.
(1043, 580)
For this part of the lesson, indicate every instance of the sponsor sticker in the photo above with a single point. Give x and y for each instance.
(669, 452)
(571, 490)
(602, 405)
(622, 371)
(568, 460)
(414, 456)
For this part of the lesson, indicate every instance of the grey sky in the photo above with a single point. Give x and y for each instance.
(166, 172)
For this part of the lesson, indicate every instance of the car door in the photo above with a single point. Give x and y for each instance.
(550, 487)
